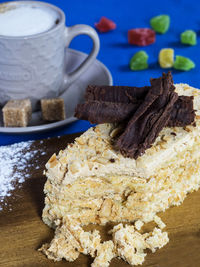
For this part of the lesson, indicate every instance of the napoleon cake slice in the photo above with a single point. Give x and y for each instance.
(92, 182)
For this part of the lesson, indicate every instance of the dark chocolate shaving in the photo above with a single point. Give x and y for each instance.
(101, 112)
(182, 113)
(144, 126)
(144, 111)
(115, 94)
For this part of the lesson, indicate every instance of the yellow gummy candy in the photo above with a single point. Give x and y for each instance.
(166, 57)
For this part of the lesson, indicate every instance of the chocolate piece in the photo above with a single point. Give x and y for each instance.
(182, 113)
(105, 112)
(115, 94)
(126, 94)
(152, 115)
(17, 113)
(146, 110)
(136, 93)
(172, 133)
(53, 109)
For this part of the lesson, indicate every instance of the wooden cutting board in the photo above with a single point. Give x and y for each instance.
(22, 231)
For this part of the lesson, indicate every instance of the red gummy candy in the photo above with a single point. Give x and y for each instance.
(105, 25)
(141, 36)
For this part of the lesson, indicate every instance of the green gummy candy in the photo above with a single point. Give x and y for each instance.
(160, 23)
(189, 37)
(183, 63)
(139, 61)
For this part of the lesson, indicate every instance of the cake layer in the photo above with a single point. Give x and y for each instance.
(96, 186)
(124, 198)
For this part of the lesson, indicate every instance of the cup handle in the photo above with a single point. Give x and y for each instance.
(70, 33)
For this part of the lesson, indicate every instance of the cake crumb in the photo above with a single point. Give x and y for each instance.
(157, 239)
(138, 224)
(159, 222)
(105, 253)
(70, 240)
(130, 244)
(64, 245)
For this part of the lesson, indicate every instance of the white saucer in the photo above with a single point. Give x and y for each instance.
(97, 74)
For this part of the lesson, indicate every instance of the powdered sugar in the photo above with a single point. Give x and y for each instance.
(15, 164)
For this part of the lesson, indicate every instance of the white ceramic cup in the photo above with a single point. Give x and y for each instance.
(33, 66)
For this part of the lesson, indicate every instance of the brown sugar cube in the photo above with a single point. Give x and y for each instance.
(17, 113)
(53, 109)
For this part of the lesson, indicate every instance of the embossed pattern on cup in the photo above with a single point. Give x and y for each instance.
(29, 64)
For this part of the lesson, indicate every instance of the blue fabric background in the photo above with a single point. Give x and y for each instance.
(115, 51)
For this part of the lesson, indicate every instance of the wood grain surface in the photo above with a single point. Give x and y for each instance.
(22, 231)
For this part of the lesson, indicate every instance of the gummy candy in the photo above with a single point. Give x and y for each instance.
(141, 36)
(183, 63)
(160, 23)
(166, 57)
(105, 25)
(139, 61)
(189, 37)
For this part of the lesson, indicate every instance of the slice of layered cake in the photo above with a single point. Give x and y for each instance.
(140, 162)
